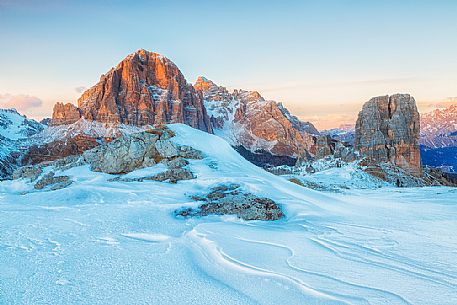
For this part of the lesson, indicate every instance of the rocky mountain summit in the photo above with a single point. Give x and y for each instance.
(64, 114)
(145, 88)
(247, 120)
(388, 129)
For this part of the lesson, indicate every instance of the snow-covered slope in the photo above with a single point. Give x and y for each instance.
(15, 126)
(101, 242)
(15, 130)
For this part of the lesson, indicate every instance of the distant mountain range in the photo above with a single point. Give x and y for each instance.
(439, 128)
(344, 133)
(148, 89)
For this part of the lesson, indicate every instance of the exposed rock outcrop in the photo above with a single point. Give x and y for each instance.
(387, 130)
(323, 146)
(124, 154)
(145, 149)
(172, 175)
(400, 177)
(246, 119)
(8, 164)
(59, 149)
(64, 114)
(229, 199)
(53, 182)
(121, 156)
(144, 89)
(30, 173)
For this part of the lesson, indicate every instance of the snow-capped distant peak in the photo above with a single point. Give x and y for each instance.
(438, 127)
(15, 126)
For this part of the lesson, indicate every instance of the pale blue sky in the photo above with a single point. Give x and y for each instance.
(322, 59)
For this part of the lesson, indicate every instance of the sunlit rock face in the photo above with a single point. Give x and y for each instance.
(144, 89)
(245, 118)
(388, 130)
(64, 114)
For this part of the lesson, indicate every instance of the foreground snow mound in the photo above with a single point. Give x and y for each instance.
(115, 242)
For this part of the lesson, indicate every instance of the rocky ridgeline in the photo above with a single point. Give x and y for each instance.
(246, 119)
(64, 114)
(143, 89)
(388, 130)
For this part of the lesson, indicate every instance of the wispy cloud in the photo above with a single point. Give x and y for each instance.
(80, 89)
(21, 102)
(427, 105)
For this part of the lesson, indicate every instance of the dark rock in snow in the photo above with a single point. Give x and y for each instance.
(229, 199)
(53, 182)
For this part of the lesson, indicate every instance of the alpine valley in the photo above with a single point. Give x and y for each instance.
(153, 190)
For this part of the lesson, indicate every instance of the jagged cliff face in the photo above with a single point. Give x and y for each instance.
(64, 114)
(144, 89)
(245, 118)
(387, 130)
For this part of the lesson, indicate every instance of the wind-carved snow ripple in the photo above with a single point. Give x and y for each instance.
(238, 247)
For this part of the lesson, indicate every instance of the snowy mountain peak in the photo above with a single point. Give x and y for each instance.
(204, 84)
(15, 126)
(14, 130)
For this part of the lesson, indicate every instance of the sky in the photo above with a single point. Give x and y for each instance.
(321, 59)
